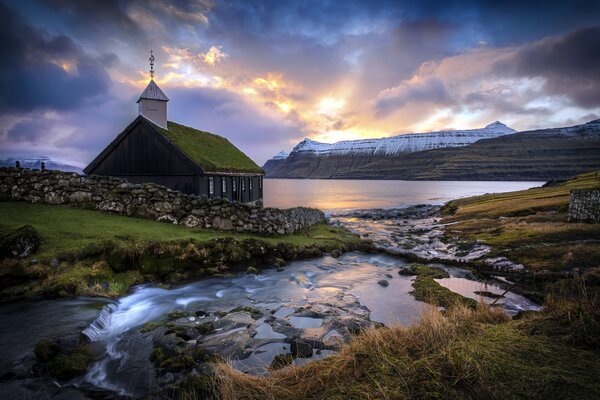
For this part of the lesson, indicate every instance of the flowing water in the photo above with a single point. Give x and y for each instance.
(318, 298)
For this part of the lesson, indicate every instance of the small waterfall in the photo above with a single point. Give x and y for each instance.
(100, 324)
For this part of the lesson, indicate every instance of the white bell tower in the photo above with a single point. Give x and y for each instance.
(152, 103)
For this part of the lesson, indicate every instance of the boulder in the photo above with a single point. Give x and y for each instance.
(20, 243)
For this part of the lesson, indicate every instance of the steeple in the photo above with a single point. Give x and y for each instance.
(152, 103)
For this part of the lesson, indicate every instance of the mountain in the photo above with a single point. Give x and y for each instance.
(314, 159)
(36, 162)
(275, 162)
(554, 153)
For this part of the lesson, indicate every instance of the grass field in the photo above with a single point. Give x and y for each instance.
(67, 230)
(530, 226)
(99, 254)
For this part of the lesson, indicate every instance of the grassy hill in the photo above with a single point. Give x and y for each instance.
(530, 226)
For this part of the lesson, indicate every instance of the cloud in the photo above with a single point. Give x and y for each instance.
(43, 71)
(214, 55)
(259, 133)
(418, 89)
(569, 65)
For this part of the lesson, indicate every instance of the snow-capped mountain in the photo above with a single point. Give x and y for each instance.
(491, 153)
(405, 143)
(282, 155)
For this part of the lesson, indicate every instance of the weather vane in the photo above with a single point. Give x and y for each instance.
(151, 59)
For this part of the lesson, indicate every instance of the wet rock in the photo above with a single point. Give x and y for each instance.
(383, 282)
(301, 349)
(20, 243)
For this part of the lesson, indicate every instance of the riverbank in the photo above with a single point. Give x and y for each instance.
(170, 340)
(77, 252)
(465, 352)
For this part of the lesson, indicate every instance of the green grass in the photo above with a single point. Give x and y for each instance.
(426, 289)
(68, 230)
(529, 226)
(519, 203)
(211, 152)
(100, 254)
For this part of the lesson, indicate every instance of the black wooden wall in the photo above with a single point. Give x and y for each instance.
(144, 156)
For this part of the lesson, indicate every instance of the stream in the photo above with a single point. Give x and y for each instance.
(321, 301)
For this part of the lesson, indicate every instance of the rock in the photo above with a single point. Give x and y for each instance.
(80, 197)
(222, 223)
(111, 206)
(191, 221)
(54, 263)
(20, 243)
(53, 198)
(167, 218)
(301, 349)
(383, 282)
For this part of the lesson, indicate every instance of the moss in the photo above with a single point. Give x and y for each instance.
(251, 270)
(45, 350)
(281, 361)
(177, 314)
(69, 365)
(206, 328)
(212, 152)
(150, 326)
(255, 313)
(426, 289)
(177, 359)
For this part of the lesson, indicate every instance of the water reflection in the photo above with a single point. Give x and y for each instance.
(333, 194)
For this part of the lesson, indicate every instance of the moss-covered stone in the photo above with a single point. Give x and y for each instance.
(206, 328)
(45, 350)
(69, 365)
(255, 313)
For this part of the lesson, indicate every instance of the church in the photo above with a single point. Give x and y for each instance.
(153, 149)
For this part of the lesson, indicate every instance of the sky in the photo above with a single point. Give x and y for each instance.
(266, 74)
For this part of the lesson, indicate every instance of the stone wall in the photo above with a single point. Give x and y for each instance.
(584, 205)
(151, 201)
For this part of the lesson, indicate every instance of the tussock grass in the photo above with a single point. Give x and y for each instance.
(461, 354)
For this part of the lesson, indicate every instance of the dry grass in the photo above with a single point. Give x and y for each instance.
(465, 353)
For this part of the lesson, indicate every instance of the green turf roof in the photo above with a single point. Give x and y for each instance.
(211, 152)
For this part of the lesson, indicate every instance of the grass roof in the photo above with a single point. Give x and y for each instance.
(211, 152)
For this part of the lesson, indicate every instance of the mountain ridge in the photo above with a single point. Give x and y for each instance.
(542, 154)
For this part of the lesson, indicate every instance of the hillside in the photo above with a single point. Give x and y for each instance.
(555, 153)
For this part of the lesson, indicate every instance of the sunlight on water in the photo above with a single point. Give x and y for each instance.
(330, 195)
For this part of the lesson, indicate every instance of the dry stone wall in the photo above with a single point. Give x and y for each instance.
(584, 205)
(151, 201)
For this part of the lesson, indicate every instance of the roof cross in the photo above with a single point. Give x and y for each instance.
(151, 59)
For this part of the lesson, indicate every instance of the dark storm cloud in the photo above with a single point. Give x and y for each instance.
(28, 130)
(570, 65)
(31, 75)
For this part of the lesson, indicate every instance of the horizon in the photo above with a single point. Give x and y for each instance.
(329, 72)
